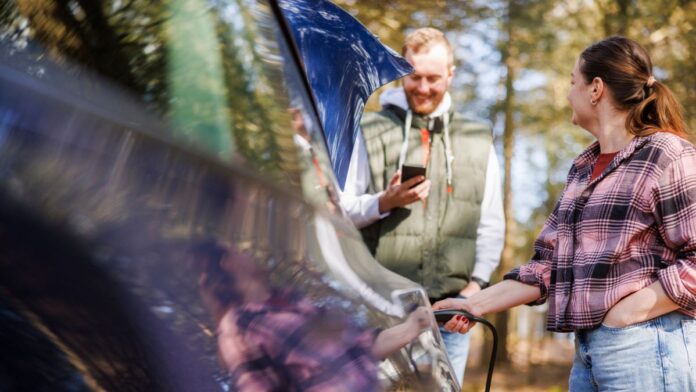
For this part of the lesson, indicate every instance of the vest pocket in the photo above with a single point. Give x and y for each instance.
(689, 331)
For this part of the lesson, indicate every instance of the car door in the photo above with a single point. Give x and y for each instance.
(136, 136)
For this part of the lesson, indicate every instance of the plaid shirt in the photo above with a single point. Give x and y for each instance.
(288, 344)
(617, 234)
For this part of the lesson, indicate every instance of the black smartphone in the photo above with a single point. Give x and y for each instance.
(410, 171)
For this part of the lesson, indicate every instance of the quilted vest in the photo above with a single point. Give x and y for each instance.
(433, 243)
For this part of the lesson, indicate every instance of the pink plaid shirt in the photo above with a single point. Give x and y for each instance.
(617, 234)
(288, 344)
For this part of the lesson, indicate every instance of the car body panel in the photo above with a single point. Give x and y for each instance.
(106, 193)
(343, 76)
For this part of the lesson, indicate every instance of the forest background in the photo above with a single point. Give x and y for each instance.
(514, 59)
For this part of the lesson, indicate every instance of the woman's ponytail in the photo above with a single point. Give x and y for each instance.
(658, 111)
(626, 68)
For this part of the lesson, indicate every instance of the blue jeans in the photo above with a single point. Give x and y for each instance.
(656, 355)
(457, 346)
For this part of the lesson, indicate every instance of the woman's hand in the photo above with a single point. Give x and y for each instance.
(500, 296)
(457, 323)
(616, 317)
(394, 338)
(418, 320)
(643, 305)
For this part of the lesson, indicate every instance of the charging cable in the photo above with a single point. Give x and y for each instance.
(442, 316)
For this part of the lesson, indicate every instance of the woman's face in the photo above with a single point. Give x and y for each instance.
(579, 98)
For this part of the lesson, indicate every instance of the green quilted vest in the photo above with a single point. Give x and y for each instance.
(432, 243)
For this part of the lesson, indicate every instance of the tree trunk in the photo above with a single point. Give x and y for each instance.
(507, 259)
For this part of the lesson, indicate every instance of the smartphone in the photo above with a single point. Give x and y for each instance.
(410, 171)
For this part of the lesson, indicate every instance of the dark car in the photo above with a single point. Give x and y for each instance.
(140, 143)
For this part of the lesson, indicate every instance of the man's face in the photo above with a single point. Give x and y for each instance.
(426, 86)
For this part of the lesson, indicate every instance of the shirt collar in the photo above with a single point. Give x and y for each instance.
(585, 161)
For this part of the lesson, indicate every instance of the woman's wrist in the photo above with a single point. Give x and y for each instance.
(476, 308)
(469, 304)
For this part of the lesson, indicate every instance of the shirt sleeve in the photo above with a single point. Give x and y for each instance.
(675, 211)
(490, 234)
(361, 207)
(538, 271)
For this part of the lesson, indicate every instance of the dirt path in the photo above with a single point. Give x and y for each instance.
(542, 366)
(549, 378)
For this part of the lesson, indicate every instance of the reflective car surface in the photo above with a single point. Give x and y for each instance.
(160, 164)
(344, 74)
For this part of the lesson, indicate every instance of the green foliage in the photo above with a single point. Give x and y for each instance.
(541, 39)
(201, 66)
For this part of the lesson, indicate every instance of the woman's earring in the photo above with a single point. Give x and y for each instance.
(593, 102)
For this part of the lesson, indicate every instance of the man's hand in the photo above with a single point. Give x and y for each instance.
(401, 194)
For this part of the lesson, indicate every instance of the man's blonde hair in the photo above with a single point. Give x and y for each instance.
(426, 38)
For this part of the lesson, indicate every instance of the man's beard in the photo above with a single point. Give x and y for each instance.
(426, 108)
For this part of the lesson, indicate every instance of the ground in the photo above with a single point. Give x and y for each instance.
(547, 377)
(537, 366)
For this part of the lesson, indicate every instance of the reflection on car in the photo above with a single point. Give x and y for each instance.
(148, 150)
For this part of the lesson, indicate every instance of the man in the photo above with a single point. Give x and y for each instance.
(444, 232)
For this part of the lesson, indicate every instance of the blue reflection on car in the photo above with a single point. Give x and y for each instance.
(345, 64)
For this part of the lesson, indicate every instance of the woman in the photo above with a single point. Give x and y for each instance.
(616, 259)
(276, 339)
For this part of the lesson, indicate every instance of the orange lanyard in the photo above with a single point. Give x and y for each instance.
(317, 167)
(425, 140)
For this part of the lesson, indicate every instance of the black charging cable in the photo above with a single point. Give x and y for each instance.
(443, 316)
